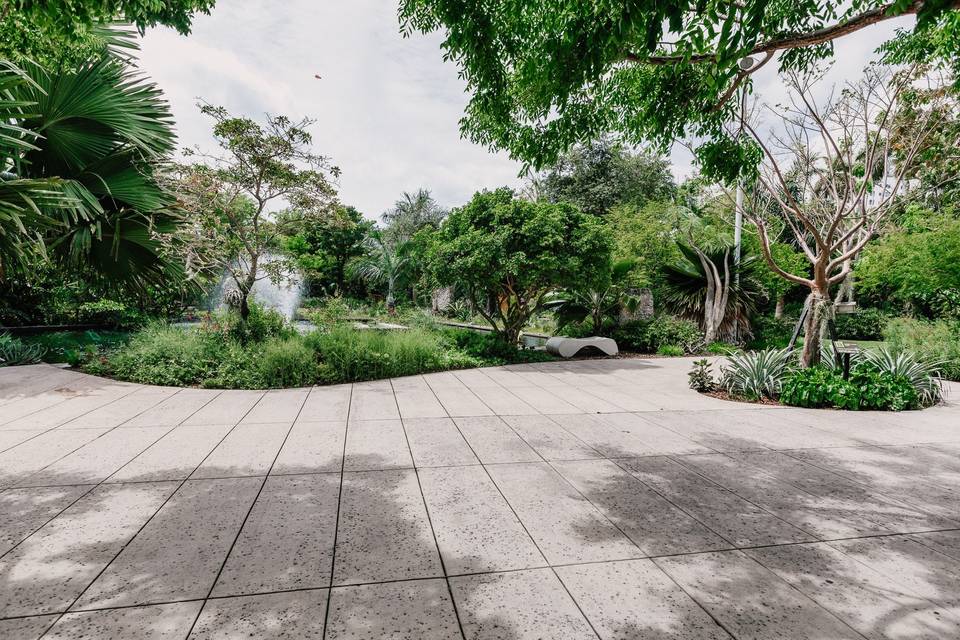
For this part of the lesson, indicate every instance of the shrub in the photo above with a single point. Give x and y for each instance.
(771, 333)
(165, 355)
(15, 352)
(288, 362)
(75, 347)
(701, 376)
(669, 350)
(866, 389)
(756, 374)
(923, 375)
(721, 348)
(937, 341)
(866, 324)
(351, 355)
(647, 336)
(819, 387)
(489, 348)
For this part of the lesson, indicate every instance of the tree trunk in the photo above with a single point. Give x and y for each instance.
(813, 327)
(244, 306)
(781, 302)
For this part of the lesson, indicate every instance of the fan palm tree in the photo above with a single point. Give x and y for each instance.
(383, 263)
(101, 130)
(28, 206)
(701, 287)
(599, 302)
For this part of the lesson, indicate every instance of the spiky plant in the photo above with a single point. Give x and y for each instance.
(756, 374)
(923, 375)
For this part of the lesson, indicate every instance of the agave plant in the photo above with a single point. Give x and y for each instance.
(14, 352)
(756, 374)
(924, 375)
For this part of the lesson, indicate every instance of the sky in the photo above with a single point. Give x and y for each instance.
(387, 108)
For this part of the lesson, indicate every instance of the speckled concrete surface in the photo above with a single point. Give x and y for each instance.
(566, 500)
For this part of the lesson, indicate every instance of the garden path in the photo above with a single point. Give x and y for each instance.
(562, 500)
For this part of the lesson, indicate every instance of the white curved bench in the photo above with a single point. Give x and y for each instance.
(569, 347)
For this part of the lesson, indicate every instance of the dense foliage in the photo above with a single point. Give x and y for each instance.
(508, 254)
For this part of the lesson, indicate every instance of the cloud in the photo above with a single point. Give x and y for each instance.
(387, 109)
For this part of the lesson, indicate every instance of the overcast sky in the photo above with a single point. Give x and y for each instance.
(387, 108)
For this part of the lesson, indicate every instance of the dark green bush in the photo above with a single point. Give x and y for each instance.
(865, 324)
(818, 387)
(165, 355)
(771, 333)
(491, 349)
(866, 389)
(259, 325)
(288, 362)
(647, 336)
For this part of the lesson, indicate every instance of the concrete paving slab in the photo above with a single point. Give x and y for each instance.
(565, 526)
(175, 409)
(870, 503)
(459, 401)
(295, 615)
(585, 402)
(10, 439)
(122, 409)
(23, 511)
(72, 408)
(160, 622)
(656, 437)
(549, 439)
(384, 532)
(649, 520)
(229, 407)
(373, 401)
(416, 399)
(178, 554)
(726, 514)
(411, 610)
(544, 401)
(248, 450)
(530, 604)
(37, 453)
(97, 459)
(946, 542)
(494, 441)
(312, 447)
(31, 628)
(503, 403)
(868, 601)
(277, 405)
(476, 529)
(327, 404)
(750, 601)
(917, 568)
(376, 444)
(48, 570)
(824, 517)
(604, 437)
(635, 599)
(287, 540)
(174, 456)
(437, 442)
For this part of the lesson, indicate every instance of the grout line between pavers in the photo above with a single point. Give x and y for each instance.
(426, 510)
(147, 522)
(336, 523)
(253, 503)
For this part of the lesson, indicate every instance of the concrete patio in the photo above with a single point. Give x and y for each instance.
(568, 500)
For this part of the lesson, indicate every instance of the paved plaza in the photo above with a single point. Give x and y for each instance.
(565, 500)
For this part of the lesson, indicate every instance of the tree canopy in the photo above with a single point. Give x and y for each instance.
(545, 75)
(511, 253)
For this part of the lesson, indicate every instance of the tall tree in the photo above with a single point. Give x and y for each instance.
(602, 174)
(546, 75)
(848, 161)
(324, 245)
(262, 165)
(412, 212)
(512, 253)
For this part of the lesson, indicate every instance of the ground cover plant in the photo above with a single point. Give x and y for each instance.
(881, 379)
